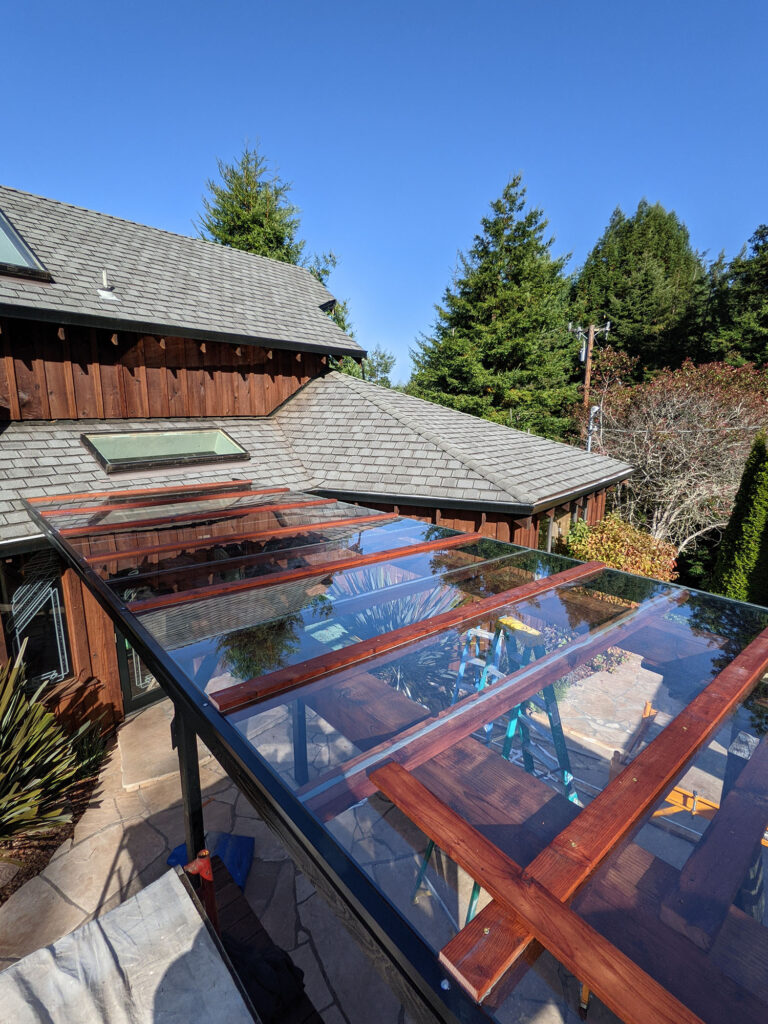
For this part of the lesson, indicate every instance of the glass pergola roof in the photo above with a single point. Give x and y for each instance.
(537, 782)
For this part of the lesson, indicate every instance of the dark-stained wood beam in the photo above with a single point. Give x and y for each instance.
(217, 565)
(623, 986)
(290, 575)
(192, 497)
(147, 491)
(180, 519)
(576, 853)
(234, 538)
(253, 690)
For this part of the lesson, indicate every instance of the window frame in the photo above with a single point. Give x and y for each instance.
(38, 271)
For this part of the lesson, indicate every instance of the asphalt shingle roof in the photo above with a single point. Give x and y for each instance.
(338, 434)
(359, 437)
(38, 458)
(162, 282)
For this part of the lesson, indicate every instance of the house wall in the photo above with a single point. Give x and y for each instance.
(49, 372)
(510, 529)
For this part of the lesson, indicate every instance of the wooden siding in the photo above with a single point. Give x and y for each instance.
(507, 528)
(93, 691)
(49, 372)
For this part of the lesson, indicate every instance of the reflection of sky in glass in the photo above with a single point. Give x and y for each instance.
(517, 719)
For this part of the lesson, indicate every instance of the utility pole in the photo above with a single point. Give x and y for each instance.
(587, 339)
(588, 364)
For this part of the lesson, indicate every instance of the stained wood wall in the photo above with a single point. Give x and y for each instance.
(510, 529)
(48, 372)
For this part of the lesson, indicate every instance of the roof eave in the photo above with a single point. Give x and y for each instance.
(75, 319)
(520, 509)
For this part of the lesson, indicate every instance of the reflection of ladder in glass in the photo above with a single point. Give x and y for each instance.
(39, 588)
(479, 664)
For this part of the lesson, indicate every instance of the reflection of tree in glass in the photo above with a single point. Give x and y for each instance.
(259, 649)
(256, 650)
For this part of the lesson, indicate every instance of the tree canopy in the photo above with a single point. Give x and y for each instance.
(249, 209)
(499, 347)
(645, 278)
(376, 366)
(744, 332)
(687, 433)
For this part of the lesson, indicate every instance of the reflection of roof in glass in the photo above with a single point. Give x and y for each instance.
(15, 255)
(525, 712)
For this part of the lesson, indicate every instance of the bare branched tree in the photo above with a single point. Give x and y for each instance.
(688, 433)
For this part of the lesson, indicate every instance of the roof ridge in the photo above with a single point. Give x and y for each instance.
(439, 442)
(163, 231)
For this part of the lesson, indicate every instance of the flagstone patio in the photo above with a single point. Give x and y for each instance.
(123, 840)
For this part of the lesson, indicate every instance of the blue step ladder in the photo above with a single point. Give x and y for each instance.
(478, 668)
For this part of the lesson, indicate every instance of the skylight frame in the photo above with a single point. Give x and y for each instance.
(34, 268)
(172, 460)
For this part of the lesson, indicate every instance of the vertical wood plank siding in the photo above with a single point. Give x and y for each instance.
(507, 528)
(48, 372)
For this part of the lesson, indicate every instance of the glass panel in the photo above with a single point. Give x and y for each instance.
(689, 885)
(30, 593)
(238, 636)
(139, 684)
(13, 249)
(224, 565)
(108, 512)
(162, 447)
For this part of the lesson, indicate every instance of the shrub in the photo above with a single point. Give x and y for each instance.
(740, 570)
(37, 760)
(623, 546)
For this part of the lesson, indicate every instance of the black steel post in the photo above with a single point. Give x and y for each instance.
(185, 739)
(300, 766)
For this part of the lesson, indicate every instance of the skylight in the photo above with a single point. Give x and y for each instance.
(15, 255)
(147, 449)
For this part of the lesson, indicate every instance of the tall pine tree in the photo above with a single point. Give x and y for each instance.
(644, 276)
(745, 332)
(249, 209)
(741, 569)
(499, 347)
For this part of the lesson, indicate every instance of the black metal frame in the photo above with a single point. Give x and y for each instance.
(410, 964)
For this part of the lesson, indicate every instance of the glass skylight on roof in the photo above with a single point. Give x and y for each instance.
(15, 255)
(146, 449)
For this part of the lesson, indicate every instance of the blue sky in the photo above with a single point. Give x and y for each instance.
(397, 123)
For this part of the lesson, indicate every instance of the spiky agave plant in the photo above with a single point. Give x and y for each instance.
(37, 760)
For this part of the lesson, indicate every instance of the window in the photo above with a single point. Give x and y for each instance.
(15, 255)
(147, 449)
(32, 606)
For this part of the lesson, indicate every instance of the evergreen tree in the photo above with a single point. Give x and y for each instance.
(745, 329)
(249, 209)
(741, 570)
(499, 347)
(376, 366)
(646, 279)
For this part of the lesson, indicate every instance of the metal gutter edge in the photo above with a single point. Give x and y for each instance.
(430, 500)
(21, 545)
